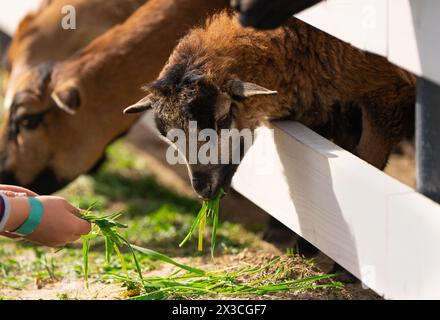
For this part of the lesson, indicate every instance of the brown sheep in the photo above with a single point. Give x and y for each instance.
(224, 76)
(66, 127)
(40, 39)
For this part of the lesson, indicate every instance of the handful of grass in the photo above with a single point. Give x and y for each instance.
(210, 209)
(270, 278)
(107, 227)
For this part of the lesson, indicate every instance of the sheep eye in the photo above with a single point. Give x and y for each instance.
(30, 121)
(225, 122)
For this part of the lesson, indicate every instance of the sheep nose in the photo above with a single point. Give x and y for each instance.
(204, 187)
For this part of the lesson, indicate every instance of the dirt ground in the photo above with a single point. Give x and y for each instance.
(72, 287)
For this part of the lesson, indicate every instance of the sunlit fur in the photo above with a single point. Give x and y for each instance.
(102, 78)
(319, 80)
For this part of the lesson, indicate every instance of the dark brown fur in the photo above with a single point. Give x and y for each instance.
(312, 73)
(316, 75)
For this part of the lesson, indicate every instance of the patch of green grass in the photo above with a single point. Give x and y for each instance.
(180, 285)
(63, 296)
(23, 265)
(188, 281)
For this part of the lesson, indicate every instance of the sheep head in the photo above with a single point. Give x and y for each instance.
(49, 135)
(25, 145)
(188, 105)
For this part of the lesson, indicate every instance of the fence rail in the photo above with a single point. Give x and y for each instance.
(407, 32)
(382, 231)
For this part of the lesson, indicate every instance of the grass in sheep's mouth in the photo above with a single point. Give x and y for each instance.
(187, 281)
(210, 209)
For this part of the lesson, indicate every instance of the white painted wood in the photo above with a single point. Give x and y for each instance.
(11, 13)
(413, 243)
(407, 32)
(377, 228)
(362, 23)
(414, 34)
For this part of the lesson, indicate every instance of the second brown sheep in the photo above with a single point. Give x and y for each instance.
(224, 76)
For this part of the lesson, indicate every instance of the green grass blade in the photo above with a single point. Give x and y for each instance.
(109, 247)
(85, 250)
(164, 258)
(194, 225)
(157, 295)
(133, 254)
(202, 225)
(214, 233)
(121, 258)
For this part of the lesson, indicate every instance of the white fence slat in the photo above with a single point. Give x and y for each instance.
(414, 35)
(407, 32)
(413, 244)
(363, 23)
(11, 13)
(365, 220)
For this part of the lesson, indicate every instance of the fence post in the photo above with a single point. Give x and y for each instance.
(428, 138)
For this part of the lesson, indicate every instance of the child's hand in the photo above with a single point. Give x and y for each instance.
(13, 191)
(59, 225)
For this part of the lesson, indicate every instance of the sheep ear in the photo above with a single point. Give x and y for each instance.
(67, 99)
(244, 90)
(140, 106)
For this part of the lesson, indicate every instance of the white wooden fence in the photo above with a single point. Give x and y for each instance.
(405, 31)
(382, 231)
(11, 13)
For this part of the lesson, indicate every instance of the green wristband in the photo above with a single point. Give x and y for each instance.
(34, 219)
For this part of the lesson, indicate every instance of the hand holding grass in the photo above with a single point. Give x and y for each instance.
(59, 226)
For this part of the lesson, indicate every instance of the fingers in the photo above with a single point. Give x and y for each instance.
(9, 235)
(72, 209)
(80, 226)
(61, 223)
(84, 227)
(12, 194)
(17, 189)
